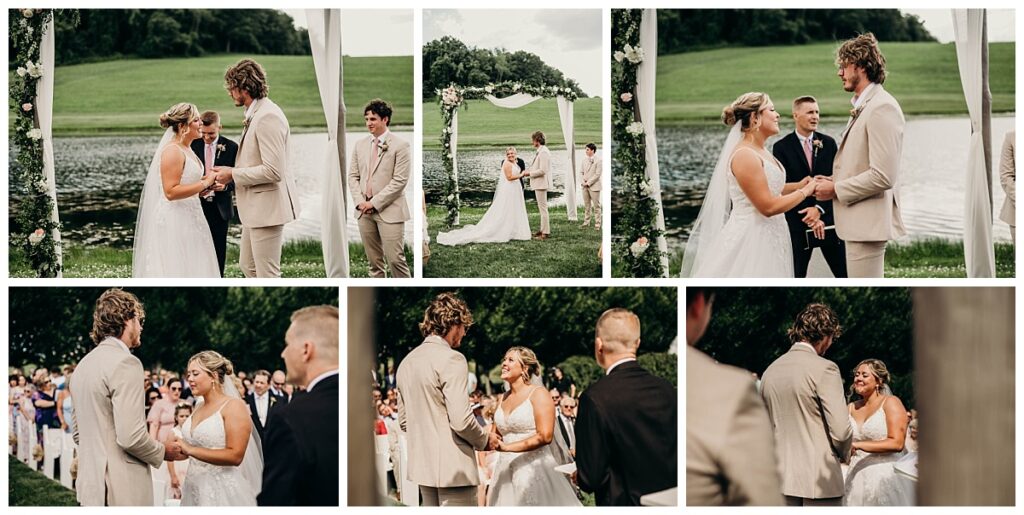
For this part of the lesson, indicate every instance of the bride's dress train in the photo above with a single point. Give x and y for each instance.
(504, 220)
(871, 479)
(207, 484)
(526, 478)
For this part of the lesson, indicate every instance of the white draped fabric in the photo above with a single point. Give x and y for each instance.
(44, 110)
(453, 141)
(979, 255)
(645, 91)
(512, 102)
(565, 115)
(325, 42)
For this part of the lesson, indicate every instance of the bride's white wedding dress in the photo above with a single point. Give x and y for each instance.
(504, 220)
(871, 479)
(172, 237)
(207, 484)
(750, 244)
(526, 478)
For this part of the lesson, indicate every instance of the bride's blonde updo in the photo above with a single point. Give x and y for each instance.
(527, 359)
(179, 115)
(742, 109)
(213, 363)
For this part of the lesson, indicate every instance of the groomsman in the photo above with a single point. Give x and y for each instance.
(377, 176)
(807, 408)
(590, 171)
(261, 402)
(216, 150)
(808, 153)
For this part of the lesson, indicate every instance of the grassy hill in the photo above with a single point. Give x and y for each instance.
(128, 95)
(693, 87)
(485, 125)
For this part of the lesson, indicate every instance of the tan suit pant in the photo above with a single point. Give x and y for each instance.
(451, 496)
(803, 501)
(260, 252)
(591, 204)
(384, 243)
(542, 206)
(865, 258)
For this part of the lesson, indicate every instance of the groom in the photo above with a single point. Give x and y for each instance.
(433, 409)
(866, 169)
(115, 452)
(626, 422)
(538, 174)
(804, 395)
(377, 176)
(267, 198)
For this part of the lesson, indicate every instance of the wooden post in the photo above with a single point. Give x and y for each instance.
(362, 486)
(964, 371)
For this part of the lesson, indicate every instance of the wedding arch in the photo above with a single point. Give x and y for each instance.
(508, 95)
(32, 37)
(636, 157)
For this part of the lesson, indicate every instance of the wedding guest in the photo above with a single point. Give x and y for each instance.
(562, 382)
(176, 469)
(1008, 179)
(278, 386)
(152, 395)
(730, 453)
(45, 404)
(66, 412)
(161, 412)
(261, 402)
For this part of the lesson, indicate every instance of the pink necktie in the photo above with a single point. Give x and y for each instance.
(807, 153)
(209, 158)
(373, 164)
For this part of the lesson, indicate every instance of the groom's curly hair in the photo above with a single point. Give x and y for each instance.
(247, 75)
(114, 309)
(814, 324)
(863, 51)
(447, 310)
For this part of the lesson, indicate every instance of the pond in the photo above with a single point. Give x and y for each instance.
(479, 170)
(931, 180)
(99, 180)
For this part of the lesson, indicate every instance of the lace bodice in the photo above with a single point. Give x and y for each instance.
(741, 205)
(517, 425)
(870, 477)
(207, 484)
(873, 428)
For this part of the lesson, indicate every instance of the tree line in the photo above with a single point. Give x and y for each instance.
(449, 61)
(50, 326)
(105, 34)
(682, 30)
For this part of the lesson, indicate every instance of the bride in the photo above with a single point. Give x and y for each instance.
(525, 472)
(506, 218)
(741, 230)
(879, 423)
(172, 238)
(225, 455)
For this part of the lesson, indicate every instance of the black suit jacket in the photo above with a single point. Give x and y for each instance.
(272, 405)
(789, 152)
(224, 157)
(626, 441)
(300, 451)
(522, 166)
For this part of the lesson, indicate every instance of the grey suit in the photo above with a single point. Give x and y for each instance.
(730, 454)
(804, 395)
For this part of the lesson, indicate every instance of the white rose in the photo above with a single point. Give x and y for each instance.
(639, 247)
(618, 55)
(35, 134)
(645, 188)
(634, 54)
(22, 71)
(36, 237)
(635, 128)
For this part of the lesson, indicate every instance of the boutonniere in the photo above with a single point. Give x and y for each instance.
(273, 399)
(855, 112)
(383, 146)
(246, 122)
(220, 148)
(817, 146)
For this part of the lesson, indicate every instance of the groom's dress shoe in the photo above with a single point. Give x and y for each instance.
(543, 236)
(536, 234)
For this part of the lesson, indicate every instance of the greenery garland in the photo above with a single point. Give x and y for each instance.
(449, 100)
(635, 225)
(36, 205)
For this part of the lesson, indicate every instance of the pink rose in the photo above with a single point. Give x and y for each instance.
(626, 97)
(642, 240)
(27, 106)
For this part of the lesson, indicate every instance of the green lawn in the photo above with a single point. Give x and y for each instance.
(128, 95)
(693, 87)
(922, 259)
(298, 259)
(484, 125)
(570, 252)
(27, 487)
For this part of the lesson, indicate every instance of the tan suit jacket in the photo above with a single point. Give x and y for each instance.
(1008, 178)
(433, 409)
(730, 453)
(114, 447)
(804, 395)
(866, 170)
(265, 189)
(539, 169)
(592, 173)
(389, 178)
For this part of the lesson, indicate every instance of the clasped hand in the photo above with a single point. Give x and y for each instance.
(174, 449)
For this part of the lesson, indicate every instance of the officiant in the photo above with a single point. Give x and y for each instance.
(216, 150)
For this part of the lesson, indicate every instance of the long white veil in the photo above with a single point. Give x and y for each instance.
(715, 211)
(147, 235)
(252, 463)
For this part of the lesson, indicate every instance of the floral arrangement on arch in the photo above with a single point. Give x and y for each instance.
(450, 99)
(635, 225)
(34, 203)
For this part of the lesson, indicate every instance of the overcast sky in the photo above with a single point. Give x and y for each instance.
(370, 32)
(939, 22)
(569, 40)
